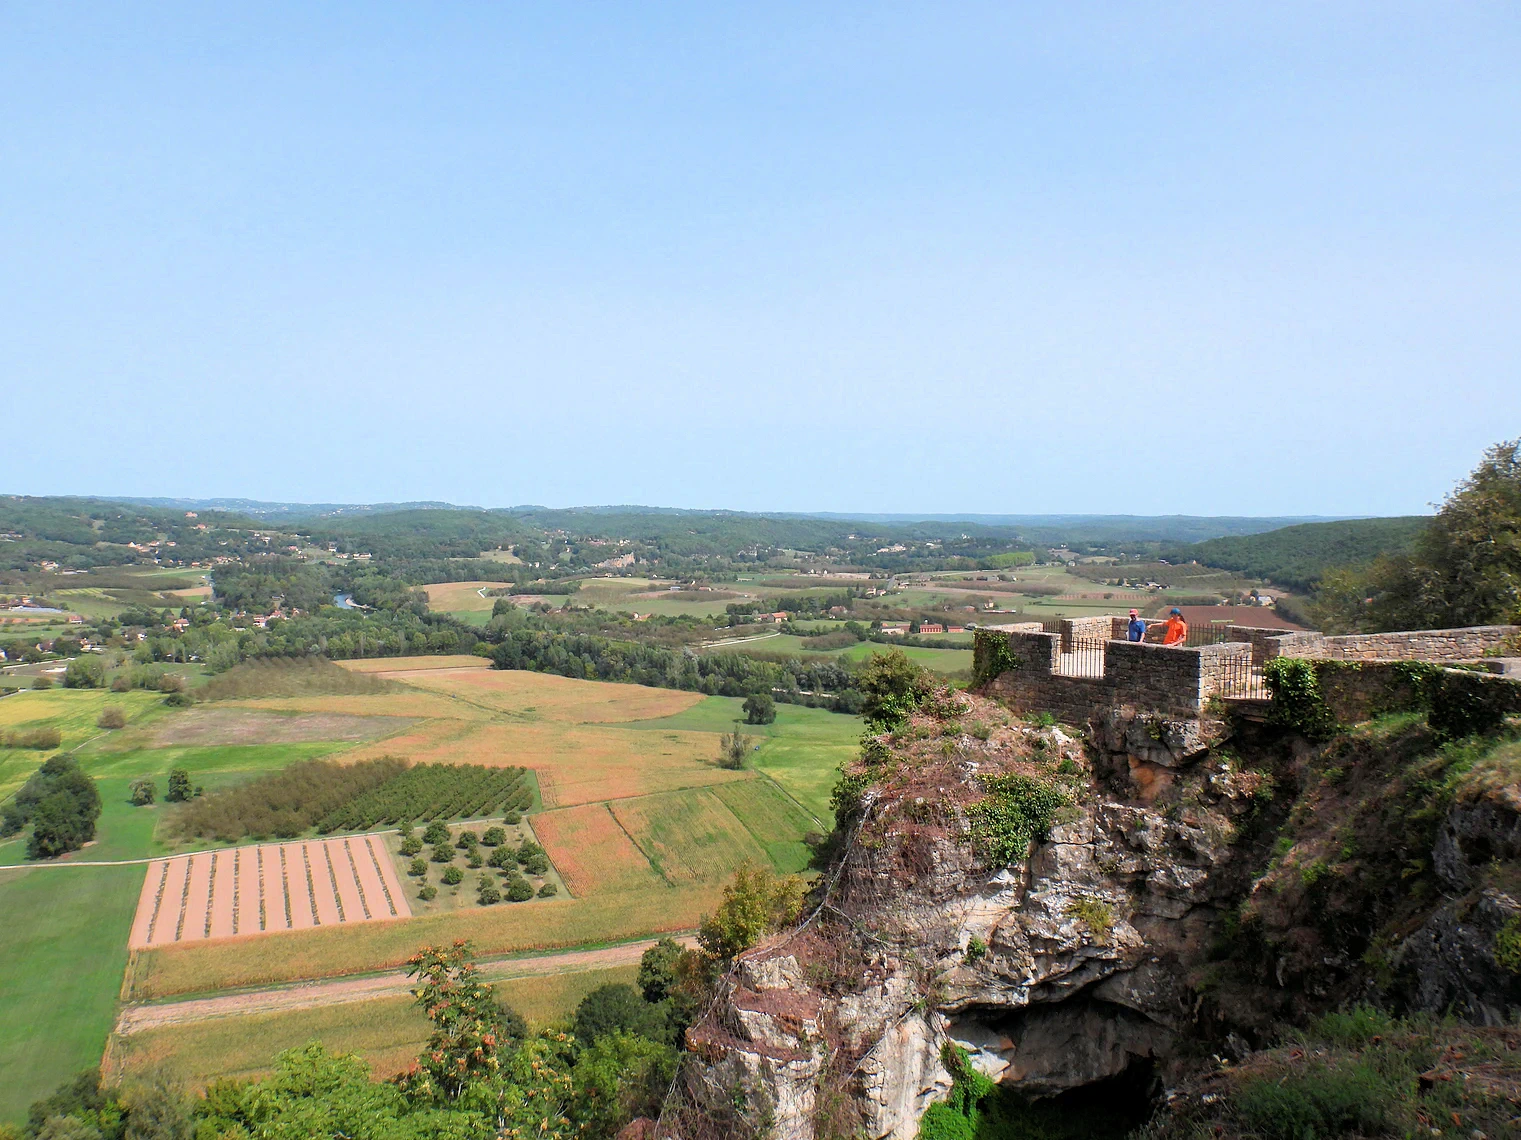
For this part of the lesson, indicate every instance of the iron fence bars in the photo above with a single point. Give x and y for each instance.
(1236, 679)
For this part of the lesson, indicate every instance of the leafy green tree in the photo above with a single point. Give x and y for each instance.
(144, 791)
(437, 832)
(892, 687)
(657, 970)
(493, 837)
(464, 1045)
(614, 1007)
(732, 750)
(86, 672)
(756, 903)
(180, 790)
(519, 889)
(618, 1077)
(760, 708)
(1465, 568)
(452, 876)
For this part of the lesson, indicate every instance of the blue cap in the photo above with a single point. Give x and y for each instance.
(1177, 611)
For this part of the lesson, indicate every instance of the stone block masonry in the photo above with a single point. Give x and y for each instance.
(1178, 682)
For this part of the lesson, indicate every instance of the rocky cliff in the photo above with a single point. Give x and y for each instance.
(1100, 913)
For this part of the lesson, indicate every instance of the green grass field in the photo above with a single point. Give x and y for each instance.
(64, 945)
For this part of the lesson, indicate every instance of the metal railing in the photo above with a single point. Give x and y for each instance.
(1236, 679)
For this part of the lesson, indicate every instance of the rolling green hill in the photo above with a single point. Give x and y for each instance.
(1296, 556)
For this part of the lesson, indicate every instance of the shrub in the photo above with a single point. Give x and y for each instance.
(614, 1007)
(179, 700)
(466, 840)
(548, 891)
(892, 687)
(1095, 914)
(437, 832)
(1318, 1102)
(528, 849)
(536, 864)
(1298, 703)
(732, 749)
(38, 739)
(503, 857)
(428, 893)
(474, 860)
(144, 791)
(42, 681)
(417, 867)
(443, 853)
(111, 718)
(486, 892)
(519, 889)
(452, 876)
(942, 1122)
(180, 790)
(493, 837)
(1508, 945)
(755, 903)
(411, 845)
(1017, 811)
(513, 818)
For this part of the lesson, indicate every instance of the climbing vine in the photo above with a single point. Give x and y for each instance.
(1016, 812)
(1297, 700)
(992, 656)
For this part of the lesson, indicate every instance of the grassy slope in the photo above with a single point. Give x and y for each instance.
(64, 944)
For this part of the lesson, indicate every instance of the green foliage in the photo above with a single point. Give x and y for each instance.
(418, 867)
(976, 950)
(466, 840)
(143, 791)
(60, 802)
(992, 655)
(493, 837)
(463, 1045)
(755, 903)
(1463, 705)
(452, 876)
(619, 1076)
(435, 833)
(732, 750)
(411, 845)
(428, 892)
(942, 1122)
(1298, 703)
(1298, 556)
(760, 708)
(1017, 811)
(657, 970)
(1319, 1101)
(86, 672)
(617, 1007)
(486, 891)
(180, 789)
(502, 857)
(519, 889)
(42, 681)
(111, 717)
(1095, 914)
(547, 890)
(433, 791)
(1507, 947)
(892, 687)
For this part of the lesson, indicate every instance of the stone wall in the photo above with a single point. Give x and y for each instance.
(1142, 677)
(1434, 645)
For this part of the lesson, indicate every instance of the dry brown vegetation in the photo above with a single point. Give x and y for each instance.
(291, 677)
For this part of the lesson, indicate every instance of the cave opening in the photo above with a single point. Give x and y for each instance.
(1109, 1109)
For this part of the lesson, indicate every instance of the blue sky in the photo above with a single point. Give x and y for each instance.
(1204, 258)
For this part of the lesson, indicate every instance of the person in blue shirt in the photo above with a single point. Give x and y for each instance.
(1137, 630)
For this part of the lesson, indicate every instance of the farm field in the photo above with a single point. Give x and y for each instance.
(387, 1032)
(944, 661)
(461, 598)
(64, 945)
(597, 753)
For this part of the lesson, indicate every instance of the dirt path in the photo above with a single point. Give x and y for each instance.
(312, 995)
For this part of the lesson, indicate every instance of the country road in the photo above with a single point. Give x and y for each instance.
(312, 995)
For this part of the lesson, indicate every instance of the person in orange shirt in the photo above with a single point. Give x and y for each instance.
(1177, 628)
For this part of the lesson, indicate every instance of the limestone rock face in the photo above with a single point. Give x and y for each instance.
(1064, 968)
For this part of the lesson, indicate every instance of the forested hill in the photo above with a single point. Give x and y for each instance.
(1296, 556)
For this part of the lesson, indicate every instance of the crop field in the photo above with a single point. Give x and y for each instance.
(460, 598)
(411, 664)
(592, 851)
(388, 1032)
(586, 744)
(325, 952)
(689, 837)
(544, 696)
(245, 891)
